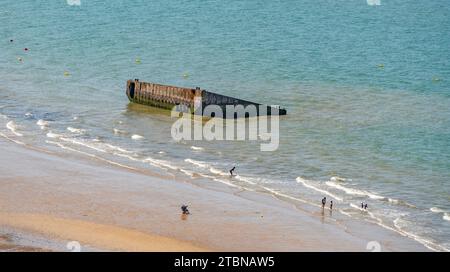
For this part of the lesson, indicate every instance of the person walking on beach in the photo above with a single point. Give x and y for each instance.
(324, 201)
(362, 205)
(365, 206)
(331, 204)
(232, 170)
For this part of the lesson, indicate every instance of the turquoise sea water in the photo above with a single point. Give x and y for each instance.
(367, 89)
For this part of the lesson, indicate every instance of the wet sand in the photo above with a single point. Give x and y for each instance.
(63, 198)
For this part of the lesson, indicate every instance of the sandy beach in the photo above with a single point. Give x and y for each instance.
(48, 200)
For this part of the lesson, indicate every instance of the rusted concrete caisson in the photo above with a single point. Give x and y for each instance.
(167, 97)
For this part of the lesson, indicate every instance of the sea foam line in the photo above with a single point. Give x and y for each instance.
(76, 130)
(446, 217)
(351, 191)
(398, 229)
(307, 185)
(90, 155)
(11, 125)
(288, 196)
(137, 137)
(42, 124)
(437, 210)
(10, 139)
(428, 244)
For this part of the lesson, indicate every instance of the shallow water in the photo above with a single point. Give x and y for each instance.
(367, 89)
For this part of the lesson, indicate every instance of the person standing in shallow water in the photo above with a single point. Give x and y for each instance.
(331, 204)
(324, 201)
(232, 170)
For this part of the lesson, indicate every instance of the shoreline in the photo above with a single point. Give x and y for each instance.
(64, 198)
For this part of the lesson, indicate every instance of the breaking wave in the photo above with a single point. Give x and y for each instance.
(12, 126)
(137, 137)
(310, 186)
(42, 124)
(76, 130)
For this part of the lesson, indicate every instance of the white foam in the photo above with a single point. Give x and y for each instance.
(307, 185)
(42, 124)
(229, 183)
(161, 152)
(437, 210)
(118, 148)
(218, 172)
(91, 155)
(345, 213)
(74, 2)
(196, 148)
(28, 114)
(222, 181)
(77, 142)
(118, 131)
(53, 135)
(76, 130)
(287, 196)
(189, 173)
(128, 157)
(446, 217)
(12, 140)
(245, 179)
(398, 222)
(197, 163)
(161, 163)
(373, 2)
(357, 207)
(339, 179)
(351, 191)
(137, 137)
(11, 125)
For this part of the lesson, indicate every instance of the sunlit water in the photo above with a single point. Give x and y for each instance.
(367, 89)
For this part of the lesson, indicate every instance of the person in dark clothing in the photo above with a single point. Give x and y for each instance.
(324, 201)
(331, 204)
(232, 170)
(184, 209)
(365, 206)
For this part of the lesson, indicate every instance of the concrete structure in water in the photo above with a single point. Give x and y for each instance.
(168, 97)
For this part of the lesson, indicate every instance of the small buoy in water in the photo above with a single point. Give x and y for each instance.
(186, 75)
(436, 79)
(11, 40)
(138, 61)
(25, 49)
(66, 73)
(381, 65)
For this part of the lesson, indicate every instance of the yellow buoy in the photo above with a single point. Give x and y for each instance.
(436, 79)
(381, 65)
